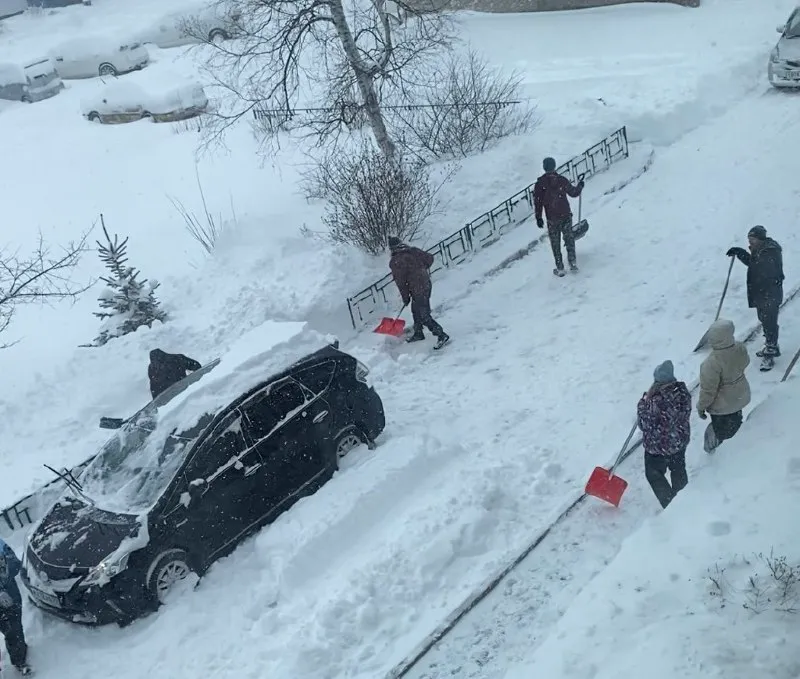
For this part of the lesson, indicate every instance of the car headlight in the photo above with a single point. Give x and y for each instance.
(108, 568)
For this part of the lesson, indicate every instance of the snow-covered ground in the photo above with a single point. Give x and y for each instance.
(486, 443)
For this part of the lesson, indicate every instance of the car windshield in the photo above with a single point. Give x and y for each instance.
(136, 465)
(793, 26)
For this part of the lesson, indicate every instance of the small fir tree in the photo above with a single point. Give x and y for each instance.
(127, 303)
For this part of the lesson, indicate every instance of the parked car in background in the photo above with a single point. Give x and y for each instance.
(90, 56)
(784, 62)
(190, 26)
(125, 102)
(52, 4)
(184, 481)
(33, 82)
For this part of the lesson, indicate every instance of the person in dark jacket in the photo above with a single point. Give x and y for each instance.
(167, 369)
(550, 194)
(410, 268)
(11, 610)
(765, 277)
(663, 416)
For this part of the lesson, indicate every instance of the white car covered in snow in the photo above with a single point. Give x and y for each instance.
(33, 82)
(784, 62)
(189, 26)
(125, 102)
(91, 56)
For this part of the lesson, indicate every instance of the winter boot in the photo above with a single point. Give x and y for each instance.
(574, 268)
(24, 669)
(559, 272)
(769, 350)
(441, 340)
(416, 337)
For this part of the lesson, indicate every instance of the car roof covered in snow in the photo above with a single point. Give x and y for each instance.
(260, 354)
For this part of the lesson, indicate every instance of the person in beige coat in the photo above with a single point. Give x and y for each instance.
(724, 389)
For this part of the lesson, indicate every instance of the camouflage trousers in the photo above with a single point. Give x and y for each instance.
(556, 230)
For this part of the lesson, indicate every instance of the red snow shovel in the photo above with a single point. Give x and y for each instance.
(391, 326)
(603, 484)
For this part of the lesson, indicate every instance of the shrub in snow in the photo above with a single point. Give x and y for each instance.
(464, 109)
(127, 303)
(371, 196)
(206, 228)
(770, 583)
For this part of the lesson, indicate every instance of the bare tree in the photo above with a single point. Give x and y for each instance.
(40, 276)
(321, 54)
(371, 196)
(465, 106)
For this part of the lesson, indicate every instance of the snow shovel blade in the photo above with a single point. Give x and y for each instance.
(579, 230)
(391, 326)
(603, 485)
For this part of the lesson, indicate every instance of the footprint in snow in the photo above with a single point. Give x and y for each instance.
(719, 528)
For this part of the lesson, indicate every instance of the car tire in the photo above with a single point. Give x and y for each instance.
(347, 439)
(107, 69)
(94, 117)
(166, 569)
(217, 35)
(26, 100)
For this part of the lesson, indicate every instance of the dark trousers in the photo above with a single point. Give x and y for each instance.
(556, 230)
(11, 629)
(421, 313)
(655, 469)
(726, 426)
(768, 317)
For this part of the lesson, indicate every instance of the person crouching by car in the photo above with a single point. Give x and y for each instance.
(167, 369)
(11, 610)
(663, 416)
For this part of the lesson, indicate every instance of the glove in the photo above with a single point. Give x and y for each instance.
(406, 302)
(540, 222)
(5, 600)
(702, 414)
(581, 184)
(735, 252)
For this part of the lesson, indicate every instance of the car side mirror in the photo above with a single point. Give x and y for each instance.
(781, 28)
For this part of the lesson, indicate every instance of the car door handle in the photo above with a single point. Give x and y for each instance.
(320, 416)
(252, 469)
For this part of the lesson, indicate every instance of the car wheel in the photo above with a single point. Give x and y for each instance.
(26, 100)
(107, 69)
(147, 114)
(168, 569)
(217, 35)
(347, 439)
(94, 117)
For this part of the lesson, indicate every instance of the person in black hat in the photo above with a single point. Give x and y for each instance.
(550, 195)
(765, 277)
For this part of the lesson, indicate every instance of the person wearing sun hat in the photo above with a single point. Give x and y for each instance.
(764, 263)
(663, 416)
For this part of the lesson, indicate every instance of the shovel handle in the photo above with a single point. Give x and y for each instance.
(725, 289)
(624, 448)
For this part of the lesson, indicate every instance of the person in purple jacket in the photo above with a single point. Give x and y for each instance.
(663, 416)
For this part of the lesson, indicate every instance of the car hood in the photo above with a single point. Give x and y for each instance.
(76, 536)
(789, 49)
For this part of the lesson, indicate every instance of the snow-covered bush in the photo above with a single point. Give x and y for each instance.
(771, 583)
(464, 110)
(127, 303)
(371, 196)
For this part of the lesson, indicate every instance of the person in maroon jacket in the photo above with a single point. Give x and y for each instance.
(410, 268)
(550, 194)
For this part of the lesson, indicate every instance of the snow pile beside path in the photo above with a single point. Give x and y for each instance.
(655, 609)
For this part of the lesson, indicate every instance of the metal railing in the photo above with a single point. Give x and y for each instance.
(488, 228)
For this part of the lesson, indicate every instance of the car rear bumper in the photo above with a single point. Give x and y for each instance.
(45, 93)
(783, 75)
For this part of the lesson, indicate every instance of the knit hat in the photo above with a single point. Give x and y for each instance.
(549, 164)
(664, 373)
(758, 232)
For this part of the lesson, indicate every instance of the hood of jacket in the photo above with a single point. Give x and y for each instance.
(770, 244)
(721, 334)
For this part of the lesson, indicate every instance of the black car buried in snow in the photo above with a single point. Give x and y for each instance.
(170, 494)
